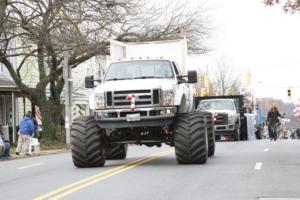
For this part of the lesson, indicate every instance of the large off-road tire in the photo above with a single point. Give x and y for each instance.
(190, 139)
(116, 151)
(211, 141)
(86, 143)
(210, 134)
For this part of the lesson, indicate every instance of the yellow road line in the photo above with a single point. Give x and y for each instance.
(103, 175)
(79, 187)
(83, 180)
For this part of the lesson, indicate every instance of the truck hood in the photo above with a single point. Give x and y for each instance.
(136, 84)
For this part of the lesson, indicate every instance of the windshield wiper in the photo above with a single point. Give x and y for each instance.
(145, 77)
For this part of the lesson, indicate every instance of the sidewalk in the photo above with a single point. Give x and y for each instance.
(13, 156)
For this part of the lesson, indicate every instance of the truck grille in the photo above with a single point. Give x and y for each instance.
(118, 99)
(221, 119)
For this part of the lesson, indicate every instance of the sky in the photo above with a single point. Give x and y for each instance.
(262, 40)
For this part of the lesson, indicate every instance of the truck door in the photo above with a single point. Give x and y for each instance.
(184, 89)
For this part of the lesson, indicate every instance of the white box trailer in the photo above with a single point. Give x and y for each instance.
(175, 50)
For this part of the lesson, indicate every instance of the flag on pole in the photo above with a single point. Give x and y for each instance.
(38, 115)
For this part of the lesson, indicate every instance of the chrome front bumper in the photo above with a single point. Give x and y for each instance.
(119, 118)
(224, 128)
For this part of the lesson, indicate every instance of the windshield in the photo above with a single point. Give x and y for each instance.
(215, 105)
(140, 69)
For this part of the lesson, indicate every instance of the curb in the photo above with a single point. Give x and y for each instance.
(47, 152)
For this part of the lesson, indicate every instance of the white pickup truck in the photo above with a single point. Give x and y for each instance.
(227, 116)
(143, 99)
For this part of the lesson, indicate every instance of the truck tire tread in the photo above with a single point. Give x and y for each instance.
(211, 141)
(116, 151)
(86, 143)
(190, 139)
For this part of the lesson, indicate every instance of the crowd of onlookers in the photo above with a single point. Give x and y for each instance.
(283, 134)
(26, 130)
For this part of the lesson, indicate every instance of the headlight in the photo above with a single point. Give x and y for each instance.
(231, 118)
(99, 101)
(168, 98)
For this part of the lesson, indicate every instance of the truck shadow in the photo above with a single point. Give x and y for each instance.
(165, 161)
(158, 161)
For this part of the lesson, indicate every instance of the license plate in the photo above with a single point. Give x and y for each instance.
(133, 117)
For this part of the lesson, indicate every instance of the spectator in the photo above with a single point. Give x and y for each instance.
(297, 109)
(298, 133)
(4, 147)
(293, 135)
(273, 122)
(27, 129)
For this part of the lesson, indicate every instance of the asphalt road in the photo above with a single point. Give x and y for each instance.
(239, 170)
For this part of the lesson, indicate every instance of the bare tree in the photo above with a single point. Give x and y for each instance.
(226, 80)
(171, 21)
(44, 29)
(288, 5)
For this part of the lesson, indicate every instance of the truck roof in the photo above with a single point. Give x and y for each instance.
(129, 60)
(217, 100)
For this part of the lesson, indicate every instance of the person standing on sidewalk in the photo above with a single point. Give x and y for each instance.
(273, 121)
(6, 146)
(26, 131)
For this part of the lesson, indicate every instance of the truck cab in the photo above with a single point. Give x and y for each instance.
(139, 93)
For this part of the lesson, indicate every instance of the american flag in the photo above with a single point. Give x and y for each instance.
(38, 115)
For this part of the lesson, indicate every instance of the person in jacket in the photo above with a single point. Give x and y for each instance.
(5, 150)
(2, 145)
(273, 121)
(26, 130)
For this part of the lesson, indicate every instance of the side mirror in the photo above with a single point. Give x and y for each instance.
(192, 76)
(89, 82)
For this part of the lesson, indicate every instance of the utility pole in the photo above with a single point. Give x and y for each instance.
(68, 95)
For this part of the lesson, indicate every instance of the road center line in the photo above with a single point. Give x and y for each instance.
(258, 166)
(33, 165)
(266, 149)
(68, 192)
(68, 189)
